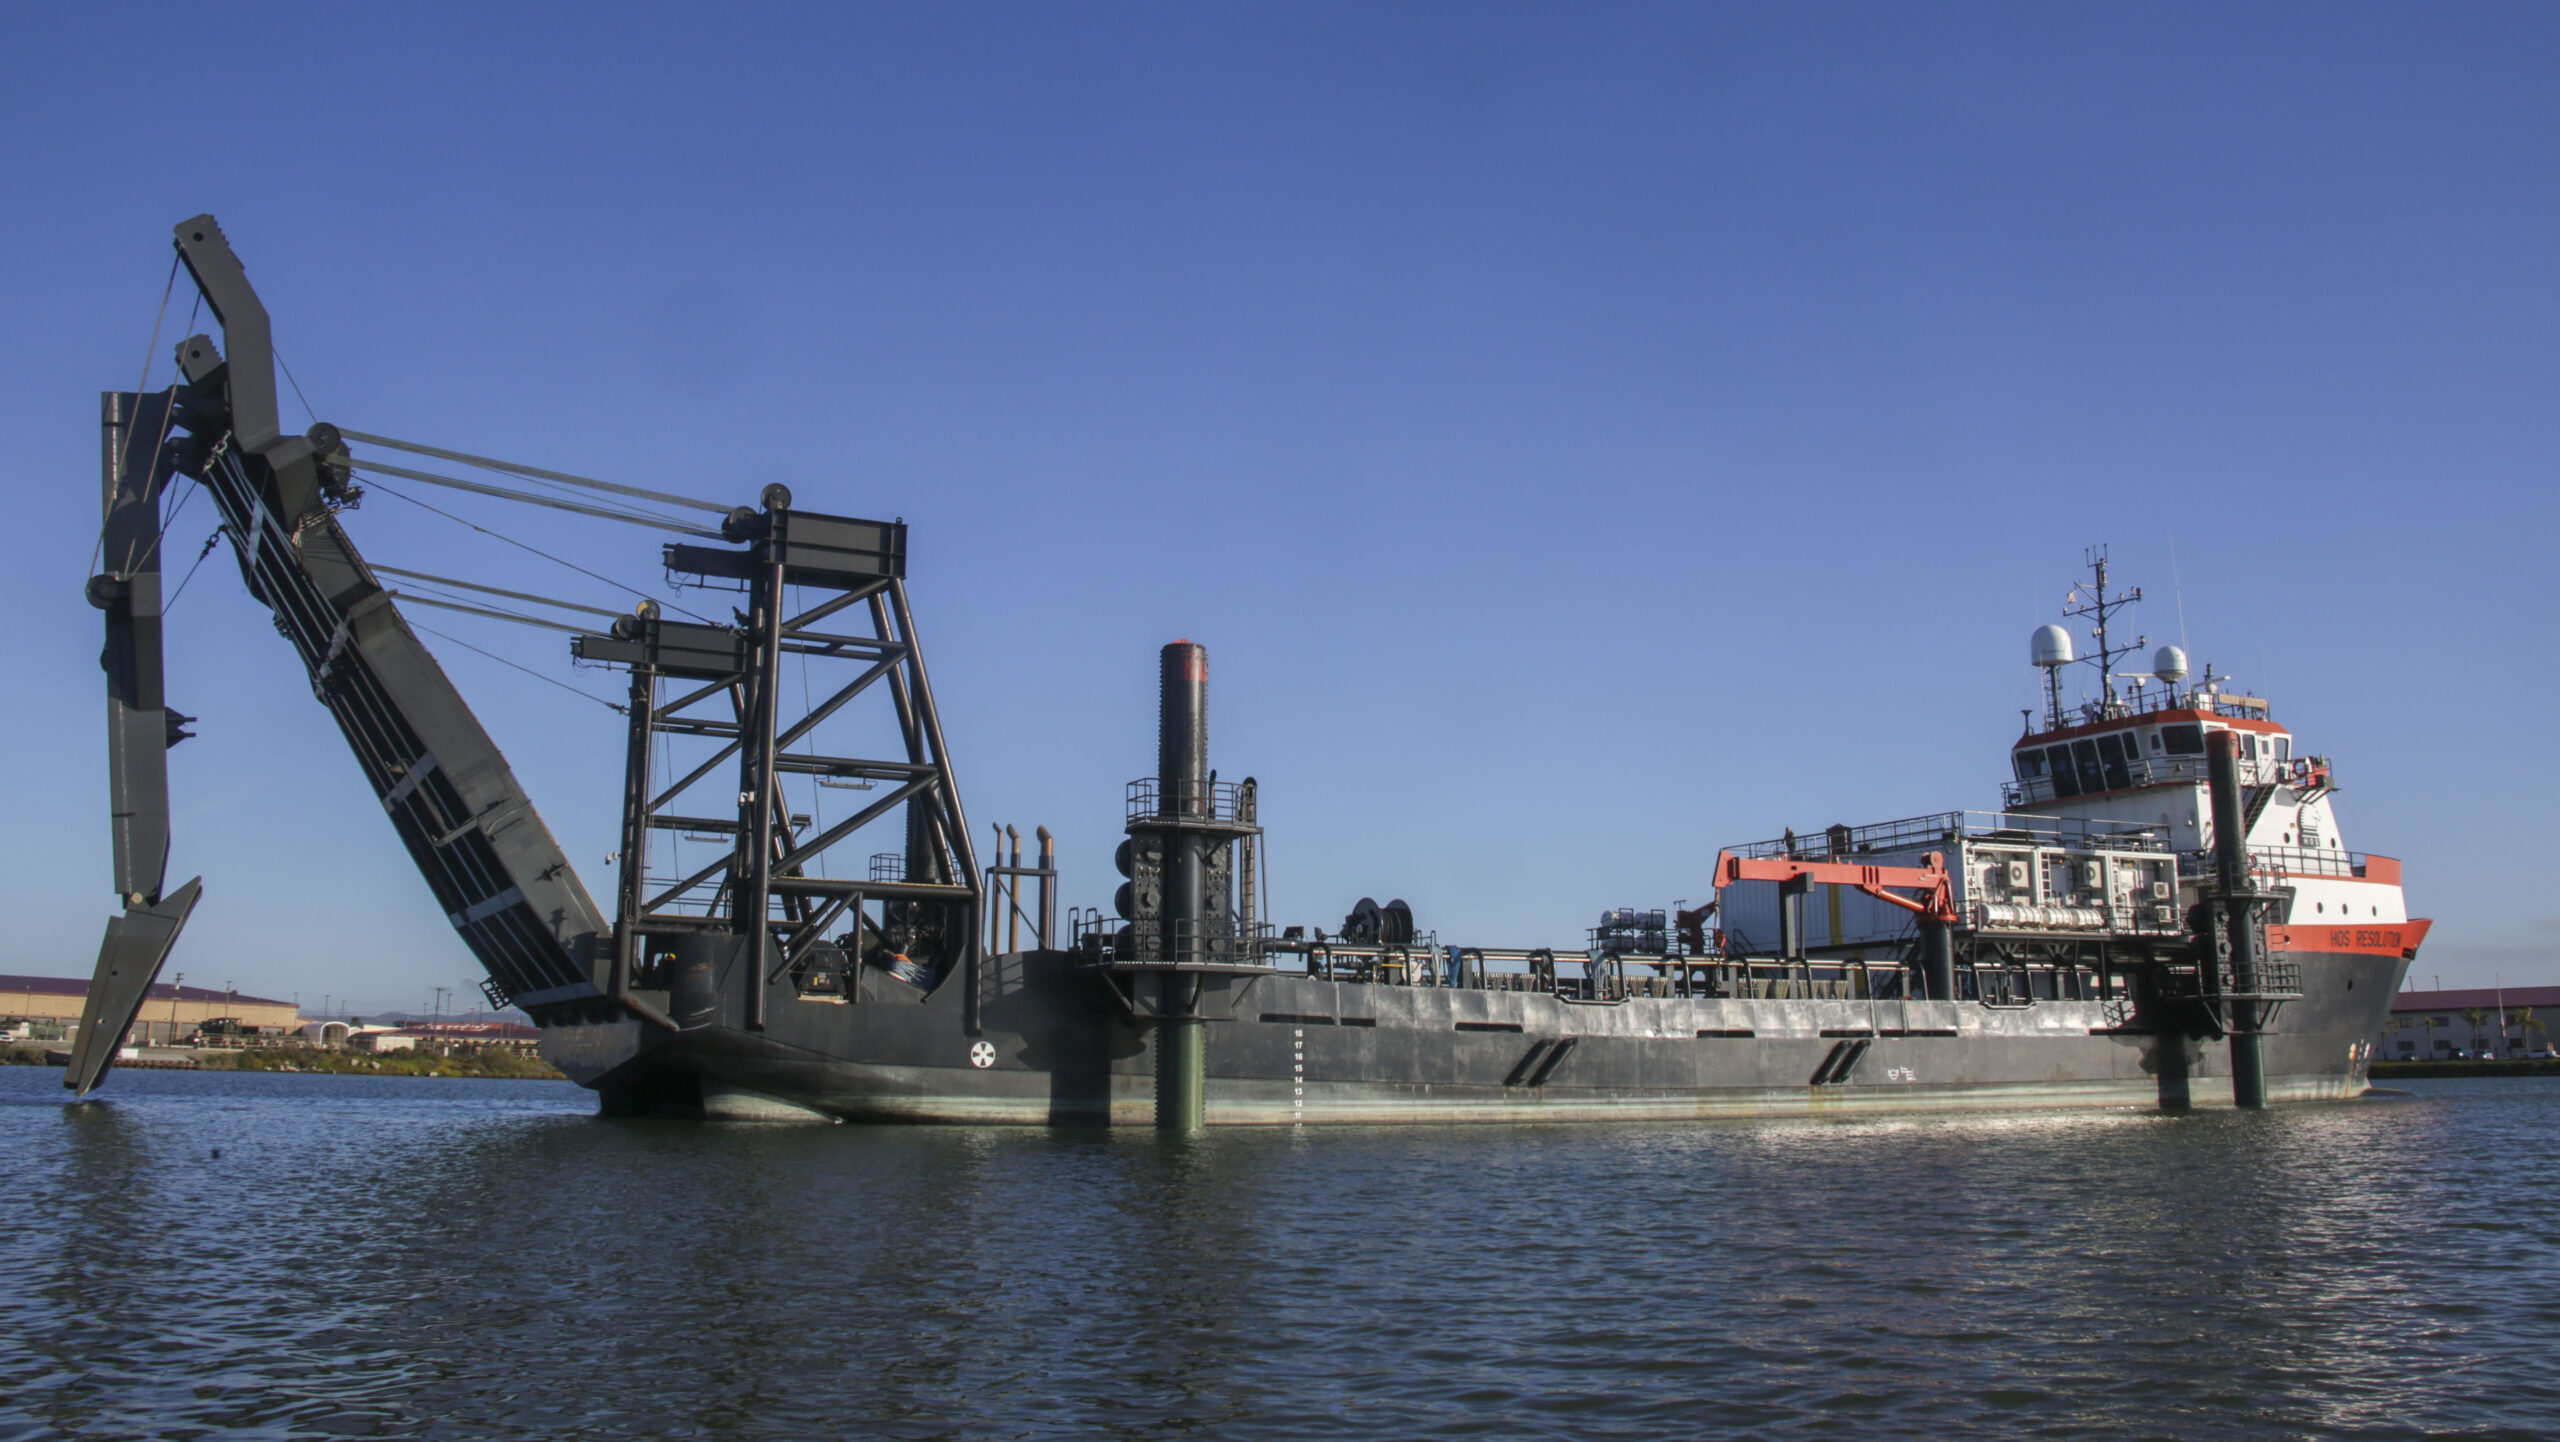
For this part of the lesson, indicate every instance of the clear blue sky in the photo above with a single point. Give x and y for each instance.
(1583, 435)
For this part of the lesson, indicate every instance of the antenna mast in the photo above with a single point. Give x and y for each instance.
(2095, 602)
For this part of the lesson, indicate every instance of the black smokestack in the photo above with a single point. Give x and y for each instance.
(1182, 730)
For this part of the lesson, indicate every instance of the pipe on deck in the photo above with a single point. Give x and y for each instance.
(2239, 901)
(1937, 959)
(1182, 791)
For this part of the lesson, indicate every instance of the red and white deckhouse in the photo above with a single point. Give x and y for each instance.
(2136, 757)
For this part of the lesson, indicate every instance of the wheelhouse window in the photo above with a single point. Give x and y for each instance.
(2185, 739)
(2066, 780)
(2111, 760)
(2030, 764)
(2084, 758)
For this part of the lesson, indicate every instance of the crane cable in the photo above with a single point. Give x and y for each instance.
(537, 473)
(491, 612)
(495, 591)
(209, 541)
(528, 670)
(535, 550)
(98, 547)
(307, 411)
(626, 515)
(447, 581)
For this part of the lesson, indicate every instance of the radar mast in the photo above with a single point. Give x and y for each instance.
(2093, 601)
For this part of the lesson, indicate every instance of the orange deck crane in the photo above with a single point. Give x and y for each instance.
(1930, 878)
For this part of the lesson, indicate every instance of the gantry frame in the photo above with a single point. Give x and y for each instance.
(770, 888)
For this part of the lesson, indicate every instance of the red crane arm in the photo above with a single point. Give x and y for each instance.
(1929, 878)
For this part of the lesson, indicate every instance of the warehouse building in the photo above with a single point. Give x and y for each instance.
(47, 1008)
(2472, 1022)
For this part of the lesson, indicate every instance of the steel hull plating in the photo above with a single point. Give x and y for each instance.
(1287, 1049)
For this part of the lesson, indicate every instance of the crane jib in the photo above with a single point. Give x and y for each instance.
(494, 866)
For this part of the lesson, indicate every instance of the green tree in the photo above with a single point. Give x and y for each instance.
(2478, 1016)
(2523, 1020)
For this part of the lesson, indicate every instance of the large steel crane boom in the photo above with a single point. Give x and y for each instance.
(502, 880)
(140, 730)
(493, 865)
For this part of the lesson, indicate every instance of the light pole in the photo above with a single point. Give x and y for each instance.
(175, 987)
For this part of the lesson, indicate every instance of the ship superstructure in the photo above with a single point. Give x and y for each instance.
(2137, 758)
(2162, 912)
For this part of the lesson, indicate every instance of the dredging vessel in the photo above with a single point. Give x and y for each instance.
(2161, 913)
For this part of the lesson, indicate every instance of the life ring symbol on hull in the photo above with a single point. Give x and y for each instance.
(982, 1055)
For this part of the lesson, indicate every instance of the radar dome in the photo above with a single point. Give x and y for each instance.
(2169, 664)
(2050, 647)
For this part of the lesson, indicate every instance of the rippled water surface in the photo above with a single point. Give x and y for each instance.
(313, 1256)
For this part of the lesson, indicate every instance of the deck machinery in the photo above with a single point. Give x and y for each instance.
(2129, 930)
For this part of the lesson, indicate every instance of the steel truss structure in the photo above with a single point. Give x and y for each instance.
(771, 886)
(501, 878)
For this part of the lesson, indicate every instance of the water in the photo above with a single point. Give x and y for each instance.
(297, 1256)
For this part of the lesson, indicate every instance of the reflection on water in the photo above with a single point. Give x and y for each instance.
(308, 1256)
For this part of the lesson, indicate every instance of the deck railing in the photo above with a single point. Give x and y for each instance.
(1942, 830)
(2281, 861)
(1218, 801)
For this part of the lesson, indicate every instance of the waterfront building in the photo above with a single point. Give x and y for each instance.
(2470, 1022)
(47, 1008)
(382, 1040)
(442, 1036)
(472, 1036)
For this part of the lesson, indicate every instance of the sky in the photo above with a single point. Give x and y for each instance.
(1583, 436)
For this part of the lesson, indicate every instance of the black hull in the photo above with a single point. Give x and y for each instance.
(1292, 1049)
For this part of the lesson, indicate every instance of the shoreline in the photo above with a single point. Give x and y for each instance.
(2549, 1066)
(304, 1061)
